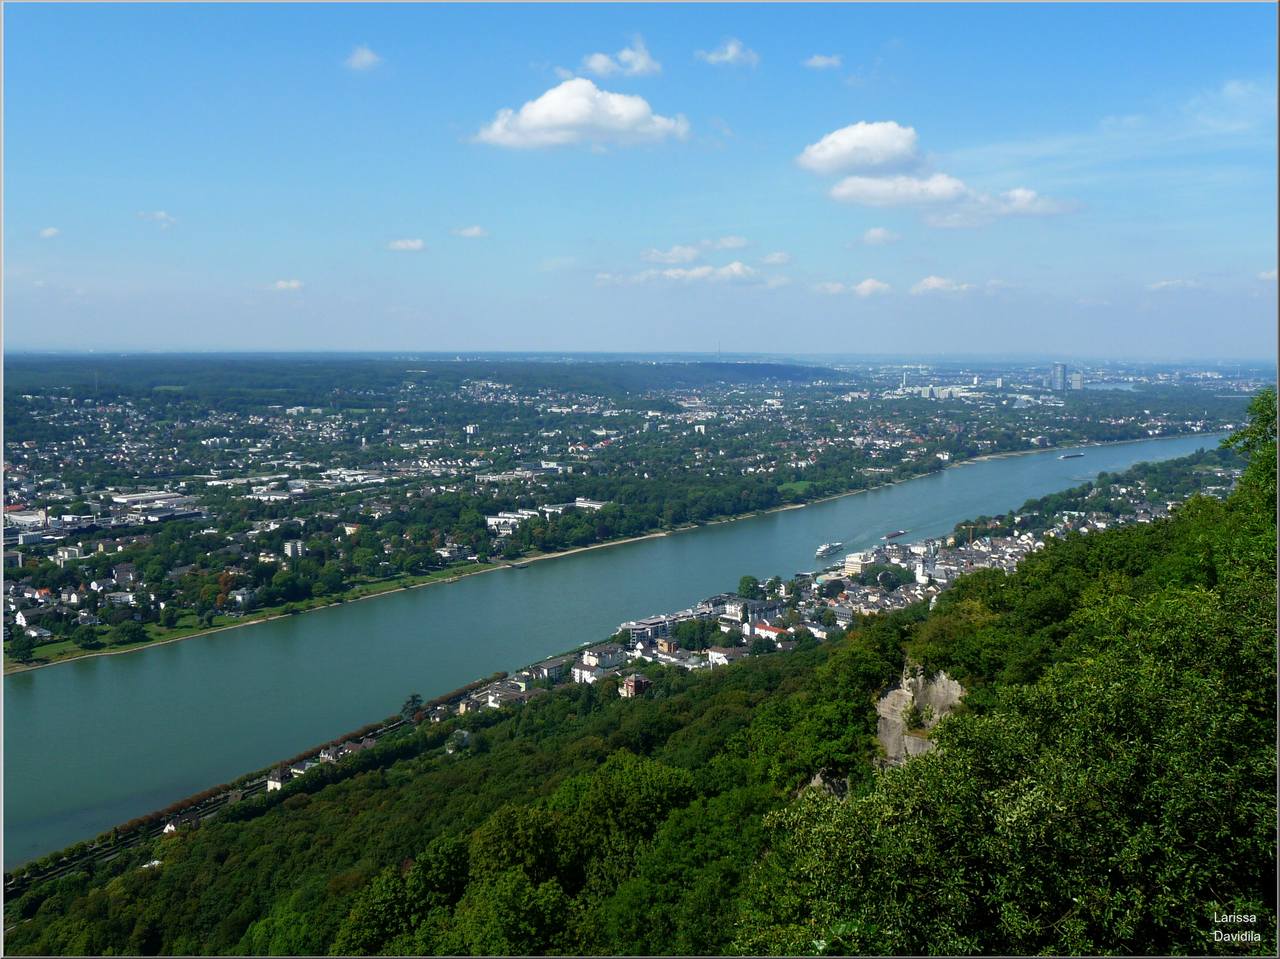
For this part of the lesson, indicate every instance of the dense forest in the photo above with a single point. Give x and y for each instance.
(1107, 787)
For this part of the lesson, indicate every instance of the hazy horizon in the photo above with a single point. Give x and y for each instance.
(757, 180)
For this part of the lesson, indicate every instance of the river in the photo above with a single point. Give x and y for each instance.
(95, 742)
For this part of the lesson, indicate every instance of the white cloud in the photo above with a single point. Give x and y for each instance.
(1023, 202)
(632, 61)
(898, 190)
(733, 52)
(49, 232)
(939, 284)
(474, 232)
(979, 208)
(861, 146)
(821, 61)
(677, 254)
(577, 111)
(158, 217)
(1173, 285)
(874, 150)
(287, 285)
(736, 271)
(878, 236)
(688, 252)
(1267, 275)
(868, 287)
(406, 245)
(871, 287)
(362, 58)
(777, 258)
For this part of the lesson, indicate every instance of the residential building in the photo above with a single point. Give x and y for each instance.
(634, 686)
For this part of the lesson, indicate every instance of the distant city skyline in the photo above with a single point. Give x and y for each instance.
(1038, 181)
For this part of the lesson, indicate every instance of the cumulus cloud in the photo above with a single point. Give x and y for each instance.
(362, 58)
(632, 61)
(776, 258)
(406, 245)
(883, 157)
(288, 285)
(1267, 275)
(821, 61)
(677, 254)
(158, 217)
(1176, 284)
(475, 232)
(861, 146)
(728, 243)
(731, 272)
(577, 111)
(49, 232)
(878, 236)
(939, 284)
(898, 190)
(868, 287)
(733, 52)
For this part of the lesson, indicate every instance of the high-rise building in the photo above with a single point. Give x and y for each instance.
(1058, 378)
(1077, 381)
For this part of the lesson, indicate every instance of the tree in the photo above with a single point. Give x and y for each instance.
(749, 587)
(21, 647)
(86, 637)
(127, 632)
(411, 706)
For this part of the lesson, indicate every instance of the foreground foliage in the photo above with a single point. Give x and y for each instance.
(1108, 787)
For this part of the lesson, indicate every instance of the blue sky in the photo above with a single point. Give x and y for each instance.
(1086, 180)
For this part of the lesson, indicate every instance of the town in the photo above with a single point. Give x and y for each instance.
(779, 616)
(139, 509)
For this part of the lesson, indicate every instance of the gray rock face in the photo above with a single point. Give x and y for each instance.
(935, 697)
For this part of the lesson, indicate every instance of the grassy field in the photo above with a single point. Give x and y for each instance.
(795, 487)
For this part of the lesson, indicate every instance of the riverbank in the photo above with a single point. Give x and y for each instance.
(268, 693)
(375, 591)
(383, 588)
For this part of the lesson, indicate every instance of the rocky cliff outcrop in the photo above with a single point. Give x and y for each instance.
(911, 709)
